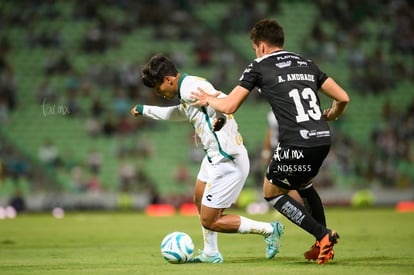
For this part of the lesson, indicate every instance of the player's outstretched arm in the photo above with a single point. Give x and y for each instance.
(228, 105)
(173, 113)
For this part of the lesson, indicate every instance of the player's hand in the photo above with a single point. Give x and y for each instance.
(202, 97)
(329, 115)
(218, 123)
(134, 111)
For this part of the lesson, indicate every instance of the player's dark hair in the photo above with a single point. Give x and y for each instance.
(158, 67)
(269, 31)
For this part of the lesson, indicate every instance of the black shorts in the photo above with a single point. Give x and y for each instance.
(293, 167)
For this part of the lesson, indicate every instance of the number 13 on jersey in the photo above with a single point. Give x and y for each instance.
(313, 110)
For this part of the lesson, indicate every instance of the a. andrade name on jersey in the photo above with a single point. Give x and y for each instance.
(294, 77)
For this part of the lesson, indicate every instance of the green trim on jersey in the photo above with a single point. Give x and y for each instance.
(140, 109)
(224, 154)
(180, 80)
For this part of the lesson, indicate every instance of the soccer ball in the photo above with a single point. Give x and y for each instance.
(177, 247)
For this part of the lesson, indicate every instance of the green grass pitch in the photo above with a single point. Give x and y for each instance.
(373, 241)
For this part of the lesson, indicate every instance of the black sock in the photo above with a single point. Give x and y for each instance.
(313, 204)
(298, 214)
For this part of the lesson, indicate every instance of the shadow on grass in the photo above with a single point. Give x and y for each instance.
(285, 260)
(376, 261)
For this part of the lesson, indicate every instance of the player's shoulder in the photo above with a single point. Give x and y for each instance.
(191, 83)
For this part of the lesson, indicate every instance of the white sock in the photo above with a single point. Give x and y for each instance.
(210, 242)
(248, 226)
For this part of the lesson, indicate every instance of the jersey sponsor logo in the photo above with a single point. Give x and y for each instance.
(283, 57)
(302, 63)
(284, 64)
(306, 134)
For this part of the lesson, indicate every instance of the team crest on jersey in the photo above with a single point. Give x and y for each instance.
(304, 134)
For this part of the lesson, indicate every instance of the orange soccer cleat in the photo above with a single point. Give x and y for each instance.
(313, 252)
(326, 252)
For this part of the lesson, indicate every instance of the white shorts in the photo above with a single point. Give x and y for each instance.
(224, 180)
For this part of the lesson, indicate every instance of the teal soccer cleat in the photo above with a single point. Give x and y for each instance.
(203, 258)
(273, 240)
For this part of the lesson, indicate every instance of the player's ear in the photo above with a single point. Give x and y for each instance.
(169, 79)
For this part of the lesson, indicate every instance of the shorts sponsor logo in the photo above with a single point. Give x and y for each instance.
(287, 154)
(291, 168)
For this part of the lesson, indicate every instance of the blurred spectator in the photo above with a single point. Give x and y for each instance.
(4, 111)
(8, 84)
(125, 125)
(45, 38)
(73, 105)
(126, 173)
(120, 102)
(45, 92)
(93, 127)
(17, 201)
(94, 161)
(204, 49)
(182, 175)
(109, 126)
(143, 147)
(403, 21)
(18, 166)
(378, 73)
(131, 79)
(5, 45)
(97, 108)
(57, 65)
(94, 40)
(94, 182)
(48, 153)
(78, 178)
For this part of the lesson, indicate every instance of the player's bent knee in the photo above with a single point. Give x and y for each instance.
(207, 225)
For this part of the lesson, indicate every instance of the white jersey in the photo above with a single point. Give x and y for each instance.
(226, 143)
(274, 129)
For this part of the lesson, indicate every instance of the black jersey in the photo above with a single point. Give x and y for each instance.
(290, 84)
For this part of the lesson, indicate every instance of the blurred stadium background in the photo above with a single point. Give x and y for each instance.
(69, 74)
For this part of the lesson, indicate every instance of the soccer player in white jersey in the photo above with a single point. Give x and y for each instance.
(225, 167)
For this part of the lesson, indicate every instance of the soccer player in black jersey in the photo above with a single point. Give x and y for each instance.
(290, 84)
